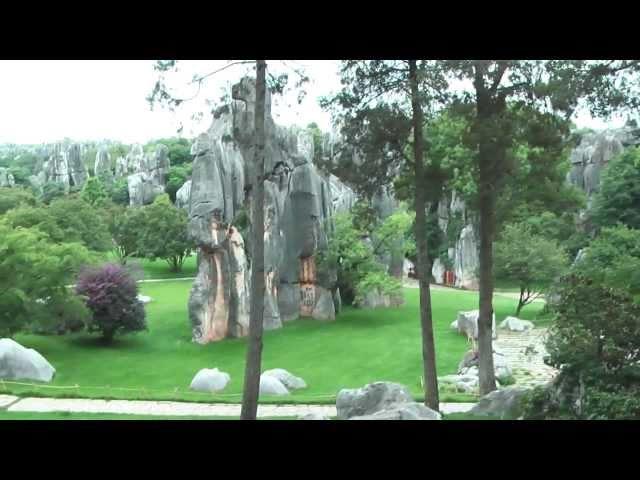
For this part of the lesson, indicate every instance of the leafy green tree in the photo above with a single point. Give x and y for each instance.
(164, 233)
(15, 197)
(533, 262)
(358, 269)
(94, 192)
(544, 87)
(179, 149)
(34, 273)
(125, 226)
(120, 192)
(613, 259)
(51, 191)
(20, 175)
(619, 197)
(66, 220)
(176, 177)
(382, 103)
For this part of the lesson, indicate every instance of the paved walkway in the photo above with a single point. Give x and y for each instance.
(525, 352)
(137, 407)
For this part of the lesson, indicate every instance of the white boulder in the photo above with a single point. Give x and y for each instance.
(210, 380)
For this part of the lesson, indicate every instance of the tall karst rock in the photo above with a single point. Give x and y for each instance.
(299, 204)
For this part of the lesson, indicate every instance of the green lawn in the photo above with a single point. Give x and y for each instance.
(159, 268)
(360, 347)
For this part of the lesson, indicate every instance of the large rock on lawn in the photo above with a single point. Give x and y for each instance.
(403, 411)
(503, 404)
(313, 416)
(290, 381)
(370, 399)
(516, 325)
(210, 380)
(272, 386)
(20, 363)
(467, 324)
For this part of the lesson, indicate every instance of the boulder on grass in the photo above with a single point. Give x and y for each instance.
(467, 324)
(514, 324)
(370, 399)
(20, 363)
(144, 299)
(272, 386)
(504, 404)
(403, 411)
(210, 380)
(290, 381)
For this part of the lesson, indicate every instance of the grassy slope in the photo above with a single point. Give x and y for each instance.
(362, 346)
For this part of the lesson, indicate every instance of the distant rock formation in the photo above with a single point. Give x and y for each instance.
(6, 178)
(299, 204)
(147, 177)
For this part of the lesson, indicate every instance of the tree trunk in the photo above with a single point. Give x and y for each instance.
(251, 389)
(521, 301)
(485, 333)
(431, 399)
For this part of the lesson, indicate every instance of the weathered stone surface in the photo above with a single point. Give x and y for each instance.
(210, 380)
(6, 178)
(404, 411)
(290, 381)
(20, 363)
(313, 416)
(468, 383)
(469, 366)
(371, 399)
(102, 165)
(144, 299)
(272, 386)
(504, 404)
(183, 195)
(516, 325)
(299, 203)
(467, 324)
(147, 177)
(77, 170)
(324, 308)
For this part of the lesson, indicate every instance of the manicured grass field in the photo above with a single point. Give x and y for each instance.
(360, 347)
(4, 415)
(159, 269)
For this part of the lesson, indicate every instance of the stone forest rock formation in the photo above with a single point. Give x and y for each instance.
(592, 155)
(6, 178)
(299, 204)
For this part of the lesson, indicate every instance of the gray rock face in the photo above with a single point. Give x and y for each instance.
(299, 204)
(404, 411)
(183, 195)
(370, 399)
(20, 363)
(102, 165)
(210, 380)
(514, 324)
(272, 386)
(376, 299)
(503, 404)
(77, 170)
(290, 381)
(592, 155)
(469, 366)
(467, 324)
(56, 168)
(6, 178)
(313, 416)
(468, 383)
(147, 177)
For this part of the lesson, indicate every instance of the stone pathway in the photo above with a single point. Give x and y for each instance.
(524, 353)
(34, 404)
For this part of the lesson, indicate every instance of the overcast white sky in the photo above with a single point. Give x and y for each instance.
(46, 101)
